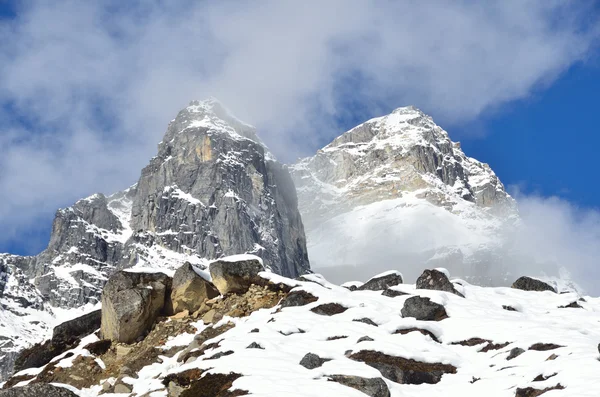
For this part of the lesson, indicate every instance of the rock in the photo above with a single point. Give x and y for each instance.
(213, 385)
(131, 302)
(531, 284)
(37, 390)
(71, 331)
(509, 308)
(598, 347)
(366, 320)
(531, 392)
(552, 357)
(123, 351)
(572, 305)
(374, 387)
(329, 309)
(312, 361)
(189, 290)
(122, 388)
(254, 345)
(402, 370)
(404, 331)
(365, 339)
(382, 282)
(37, 355)
(298, 298)
(392, 293)
(436, 280)
(98, 348)
(236, 275)
(212, 317)
(542, 347)
(542, 377)
(423, 309)
(514, 353)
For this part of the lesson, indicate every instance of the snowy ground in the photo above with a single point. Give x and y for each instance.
(275, 370)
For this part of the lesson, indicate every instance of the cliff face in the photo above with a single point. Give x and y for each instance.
(396, 188)
(213, 189)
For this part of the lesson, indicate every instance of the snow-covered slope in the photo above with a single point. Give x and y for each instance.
(494, 342)
(397, 188)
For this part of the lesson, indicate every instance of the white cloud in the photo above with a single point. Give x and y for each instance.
(89, 86)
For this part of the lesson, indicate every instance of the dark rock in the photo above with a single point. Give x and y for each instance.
(337, 337)
(213, 385)
(374, 387)
(425, 332)
(382, 282)
(184, 378)
(542, 347)
(219, 355)
(509, 308)
(366, 321)
(37, 355)
(312, 361)
(298, 298)
(189, 290)
(572, 305)
(541, 377)
(365, 339)
(254, 330)
(329, 309)
(131, 303)
(37, 390)
(392, 293)
(494, 346)
(436, 280)
(254, 345)
(402, 370)
(236, 276)
(98, 348)
(531, 392)
(73, 330)
(423, 309)
(514, 353)
(531, 284)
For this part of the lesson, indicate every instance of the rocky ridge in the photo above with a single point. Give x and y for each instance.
(213, 190)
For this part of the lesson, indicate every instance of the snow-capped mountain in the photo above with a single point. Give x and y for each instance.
(213, 189)
(396, 188)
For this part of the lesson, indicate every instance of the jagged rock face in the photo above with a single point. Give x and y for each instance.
(215, 190)
(400, 175)
(212, 190)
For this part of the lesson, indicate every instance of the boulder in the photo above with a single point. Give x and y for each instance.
(298, 298)
(531, 392)
(436, 280)
(382, 282)
(73, 330)
(374, 387)
(514, 353)
(531, 284)
(312, 361)
(236, 274)
(37, 390)
(423, 309)
(402, 370)
(131, 302)
(190, 290)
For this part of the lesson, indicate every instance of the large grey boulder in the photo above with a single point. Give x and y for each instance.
(436, 280)
(190, 290)
(374, 387)
(380, 283)
(531, 284)
(77, 328)
(423, 309)
(236, 274)
(131, 302)
(37, 390)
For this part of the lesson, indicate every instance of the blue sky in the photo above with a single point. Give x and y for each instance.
(86, 93)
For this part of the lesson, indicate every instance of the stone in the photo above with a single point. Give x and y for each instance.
(514, 353)
(423, 309)
(329, 309)
(402, 370)
(366, 320)
(236, 276)
(37, 390)
(73, 330)
(98, 348)
(312, 361)
(542, 347)
(373, 387)
(213, 385)
(392, 293)
(380, 283)
(404, 331)
(436, 280)
(298, 298)
(131, 303)
(531, 392)
(189, 290)
(365, 339)
(123, 351)
(122, 388)
(531, 284)
(212, 316)
(254, 345)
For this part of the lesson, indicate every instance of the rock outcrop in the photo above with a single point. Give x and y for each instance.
(423, 309)
(190, 290)
(436, 280)
(373, 387)
(531, 284)
(38, 390)
(131, 302)
(382, 282)
(236, 274)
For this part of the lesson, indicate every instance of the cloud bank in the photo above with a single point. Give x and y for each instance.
(87, 88)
